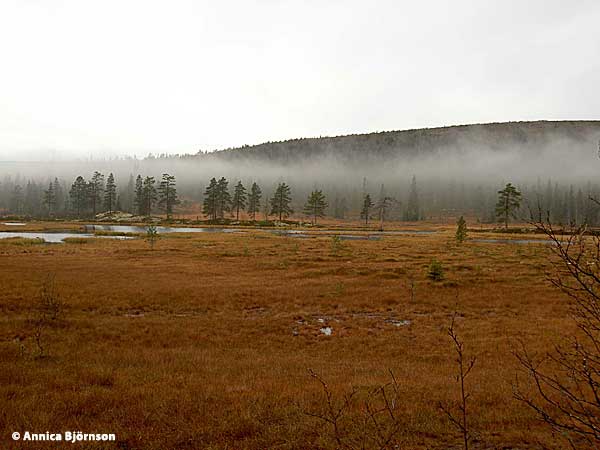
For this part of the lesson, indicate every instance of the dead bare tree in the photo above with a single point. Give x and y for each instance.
(50, 305)
(46, 312)
(465, 365)
(412, 288)
(564, 385)
(361, 419)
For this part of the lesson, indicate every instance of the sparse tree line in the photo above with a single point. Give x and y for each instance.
(87, 198)
(218, 201)
(145, 195)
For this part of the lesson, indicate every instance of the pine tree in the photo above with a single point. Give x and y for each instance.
(50, 199)
(509, 201)
(365, 212)
(209, 208)
(280, 203)
(149, 195)
(223, 198)
(95, 190)
(461, 230)
(110, 194)
(254, 200)
(315, 205)
(138, 201)
(239, 199)
(79, 196)
(168, 194)
(412, 208)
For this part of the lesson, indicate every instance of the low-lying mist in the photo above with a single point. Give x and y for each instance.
(456, 168)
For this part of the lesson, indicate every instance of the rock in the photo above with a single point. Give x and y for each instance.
(114, 216)
(398, 323)
(327, 331)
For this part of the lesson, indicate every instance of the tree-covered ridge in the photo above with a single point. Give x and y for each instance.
(418, 142)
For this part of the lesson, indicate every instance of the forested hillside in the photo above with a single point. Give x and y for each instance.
(426, 174)
(358, 148)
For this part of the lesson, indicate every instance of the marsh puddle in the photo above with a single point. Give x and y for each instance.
(371, 232)
(398, 323)
(346, 235)
(343, 237)
(57, 237)
(356, 237)
(511, 241)
(14, 224)
(302, 234)
(137, 229)
(407, 232)
(53, 238)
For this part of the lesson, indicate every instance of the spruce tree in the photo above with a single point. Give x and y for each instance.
(79, 196)
(548, 200)
(572, 207)
(110, 194)
(461, 230)
(16, 200)
(223, 198)
(33, 198)
(138, 201)
(254, 200)
(167, 194)
(209, 207)
(239, 199)
(267, 209)
(149, 195)
(339, 208)
(509, 201)
(412, 208)
(580, 216)
(365, 212)
(59, 196)
(50, 199)
(280, 203)
(127, 196)
(95, 190)
(315, 205)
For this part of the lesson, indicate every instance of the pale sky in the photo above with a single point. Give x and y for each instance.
(81, 78)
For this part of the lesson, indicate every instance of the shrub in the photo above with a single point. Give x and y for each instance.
(151, 235)
(21, 241)
(436, 271)
(336, 244)
(77, 240)
(461, 230)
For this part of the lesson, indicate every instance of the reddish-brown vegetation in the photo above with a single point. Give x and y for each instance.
(205, 342)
